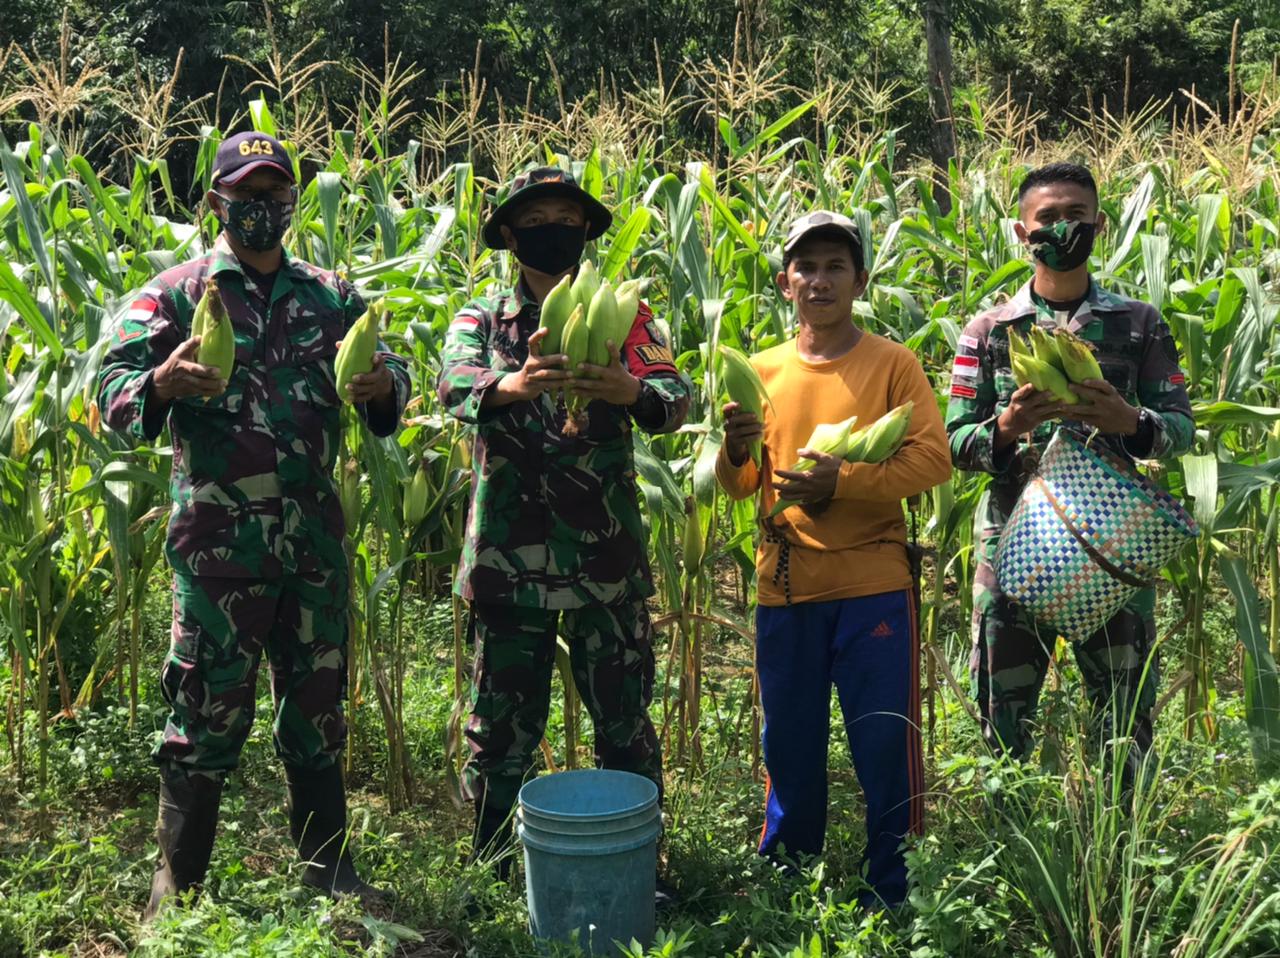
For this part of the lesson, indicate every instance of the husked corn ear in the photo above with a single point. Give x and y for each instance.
(585, 284)
(355, 355)
(1045, 378)
(602, 321)
(555, 313)
(1078, 361)
(1044, 348)
(217, 338)
(880, 440)
(742, 383)
(416, 497)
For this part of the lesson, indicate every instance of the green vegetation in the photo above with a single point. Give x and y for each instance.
(1047, 859)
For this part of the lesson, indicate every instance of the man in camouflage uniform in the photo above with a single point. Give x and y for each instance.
(256, 533)
(555, 540)
(1140, 410)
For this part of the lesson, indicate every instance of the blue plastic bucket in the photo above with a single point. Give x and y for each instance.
(590, 854)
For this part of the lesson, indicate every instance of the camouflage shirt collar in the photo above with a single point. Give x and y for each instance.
(1096, 300)
(225, 260)
(517, 299)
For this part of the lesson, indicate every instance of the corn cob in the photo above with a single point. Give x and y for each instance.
(576, 338)
(831, 438)
(1017, 345)
(1044, 348)
(1078, 361)
(349, 494)
(1045, 378)
(880, 440)
(873, 443)
(628, 301)
(576, 345)
(602, 320)
(694, 542)
(415, 498)
(585, 285)
(555, 312)
(355, 355)
(744, 387)
(217, 339)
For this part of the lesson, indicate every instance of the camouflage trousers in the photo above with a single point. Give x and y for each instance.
(1011, 656)
(221, 626)
(611, 653)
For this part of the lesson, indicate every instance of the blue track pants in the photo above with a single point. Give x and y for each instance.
(869, 649)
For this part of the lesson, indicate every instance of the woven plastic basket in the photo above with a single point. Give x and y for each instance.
(1087, 533)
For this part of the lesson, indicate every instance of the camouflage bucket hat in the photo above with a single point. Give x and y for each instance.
(540, 183)
(825, 223)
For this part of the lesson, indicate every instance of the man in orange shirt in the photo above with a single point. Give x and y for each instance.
(834, 581)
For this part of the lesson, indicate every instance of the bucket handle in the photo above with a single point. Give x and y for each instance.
(1101, 561)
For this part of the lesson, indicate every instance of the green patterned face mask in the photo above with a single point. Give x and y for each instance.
(1063, 246)
(258, 223)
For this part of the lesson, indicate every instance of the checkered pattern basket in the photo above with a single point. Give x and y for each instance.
(1086, 534)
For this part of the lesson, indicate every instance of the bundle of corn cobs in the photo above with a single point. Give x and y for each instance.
(581, 318)
(874, 443)
(1052, 361)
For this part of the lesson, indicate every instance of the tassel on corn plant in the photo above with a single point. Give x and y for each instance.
(743, 384)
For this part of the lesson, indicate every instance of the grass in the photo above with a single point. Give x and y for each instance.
(72, 880)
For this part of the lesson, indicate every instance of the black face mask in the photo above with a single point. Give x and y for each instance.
(550, 248)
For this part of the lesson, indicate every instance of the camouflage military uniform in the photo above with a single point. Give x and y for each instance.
(256, 532)
(1137, 355)
(554, 532)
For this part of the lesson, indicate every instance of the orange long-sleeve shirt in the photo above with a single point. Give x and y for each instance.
(856, 545)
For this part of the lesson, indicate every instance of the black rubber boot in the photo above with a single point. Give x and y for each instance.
(318, 823)
(185, 828)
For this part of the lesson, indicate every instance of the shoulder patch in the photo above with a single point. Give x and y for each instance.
(142, 309)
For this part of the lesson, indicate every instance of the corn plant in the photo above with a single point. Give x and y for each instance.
(1193, 209)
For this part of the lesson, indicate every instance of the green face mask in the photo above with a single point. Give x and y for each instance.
(1063, 246)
